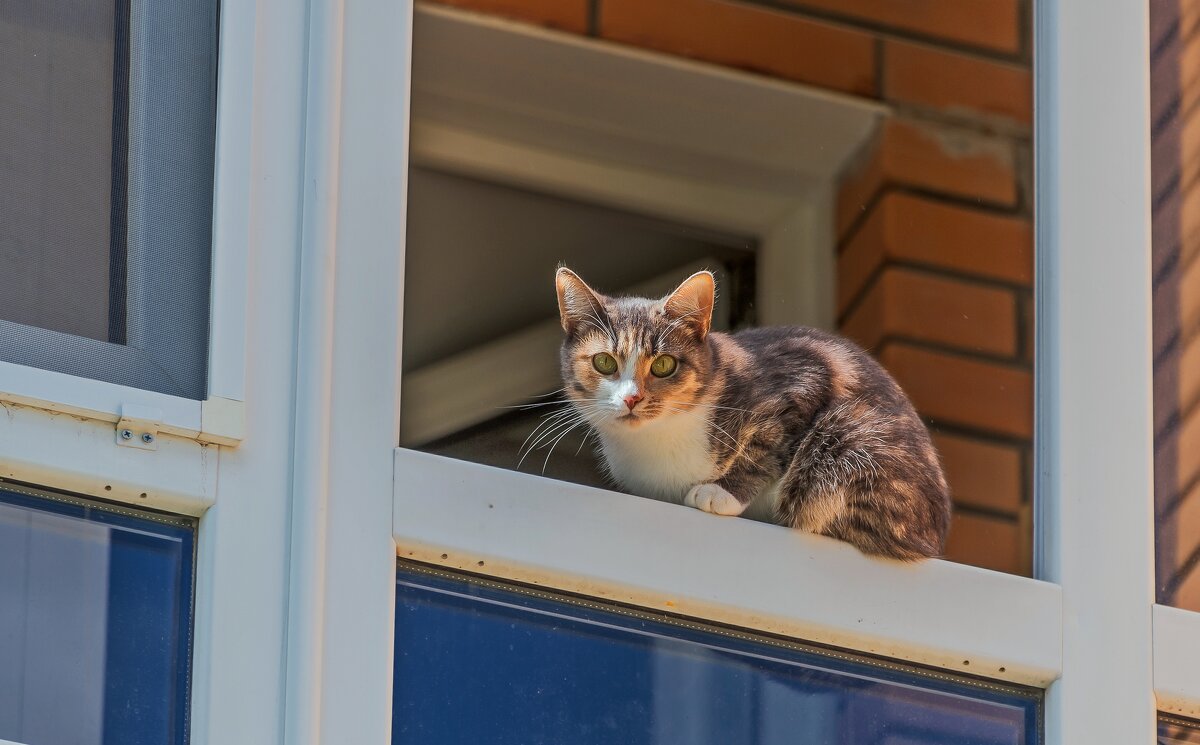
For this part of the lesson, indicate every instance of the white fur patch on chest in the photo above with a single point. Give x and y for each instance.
(661, 459)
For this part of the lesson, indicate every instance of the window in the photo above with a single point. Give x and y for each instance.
(481, 661)
(815, 209)
(107, 139)
(95, 620)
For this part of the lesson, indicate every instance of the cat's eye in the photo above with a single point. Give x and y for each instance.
(663, 366)
(604, 363)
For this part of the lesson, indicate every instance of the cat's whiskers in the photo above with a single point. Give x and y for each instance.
(548, 422)
(555, 444)
(553, 427)
(548, 403)
(587, 436)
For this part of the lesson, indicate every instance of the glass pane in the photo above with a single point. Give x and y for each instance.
(1176, 306)
(535, 147)
(95, 620)
(480, 662)
(107, 128)
(1176, 731)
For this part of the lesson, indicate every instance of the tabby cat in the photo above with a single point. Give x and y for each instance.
(796, 423)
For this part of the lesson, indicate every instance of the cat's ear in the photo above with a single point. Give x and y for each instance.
(693, 301)
(577, 303)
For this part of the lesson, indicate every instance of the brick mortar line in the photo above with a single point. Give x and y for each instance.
(927, 268)
(991, 513)
(593, 18)
(1008, 362)
(964, 430)
(1178, 496)
(985, 436)
(890, 186)
(884, 29)
(995, 126)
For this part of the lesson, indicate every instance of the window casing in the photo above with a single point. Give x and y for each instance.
(311, 91)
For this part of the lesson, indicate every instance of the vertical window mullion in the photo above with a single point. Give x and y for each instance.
(1095, 528)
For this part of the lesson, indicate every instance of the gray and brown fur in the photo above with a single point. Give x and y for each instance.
(795, 407)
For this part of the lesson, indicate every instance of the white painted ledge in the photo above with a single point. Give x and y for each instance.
(216, 420)
(639, 552)
(57, 450)
(1177, 660)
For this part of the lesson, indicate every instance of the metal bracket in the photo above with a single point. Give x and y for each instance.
(138, 427)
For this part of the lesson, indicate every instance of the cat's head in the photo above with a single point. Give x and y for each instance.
(628, 361)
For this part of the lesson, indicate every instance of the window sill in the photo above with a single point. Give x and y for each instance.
(635, 551)
(1176, 659)
(216, 420)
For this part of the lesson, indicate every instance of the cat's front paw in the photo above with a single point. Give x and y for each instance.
(714, 499)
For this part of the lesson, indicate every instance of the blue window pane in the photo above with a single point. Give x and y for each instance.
(1176, 731)
(95, 622)
(477, 661)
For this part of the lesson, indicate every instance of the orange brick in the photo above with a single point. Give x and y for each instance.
(1189, 373)
(952, 160)
(916, 230)
(1183, 525)
(919, 305)
(747, 37)
(982, 474)
(1189, 297)
(956, 83)
(992, 24)
(1189, 224)
(966, 392)
(1189, 72)
(987, 542)
(568, 15)
(1188, 448)
(1187, 596)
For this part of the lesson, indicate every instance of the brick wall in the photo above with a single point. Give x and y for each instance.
(1175, 69)
(935, 240)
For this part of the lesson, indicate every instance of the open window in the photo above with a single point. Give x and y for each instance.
(531, 148)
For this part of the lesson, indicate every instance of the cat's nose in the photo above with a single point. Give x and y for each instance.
(632, 400)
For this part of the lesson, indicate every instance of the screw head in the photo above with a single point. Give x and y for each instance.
(126, 434)
(147, 438)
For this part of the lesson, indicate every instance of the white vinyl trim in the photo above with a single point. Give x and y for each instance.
(660, 556)
(1094, 435)
(1177, 660)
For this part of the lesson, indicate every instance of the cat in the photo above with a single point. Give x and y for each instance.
(801, 423)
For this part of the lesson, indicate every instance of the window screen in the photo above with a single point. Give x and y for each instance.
(107, 116)
(95, 622)
(478, 661)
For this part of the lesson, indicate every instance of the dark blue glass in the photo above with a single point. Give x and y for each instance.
(1176, 731)
(480, 662)
(95, 622)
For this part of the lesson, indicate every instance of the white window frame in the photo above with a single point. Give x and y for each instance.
(219, 418)
(60, 428)
(635, 551)
(1088, 635)
(301, 526)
